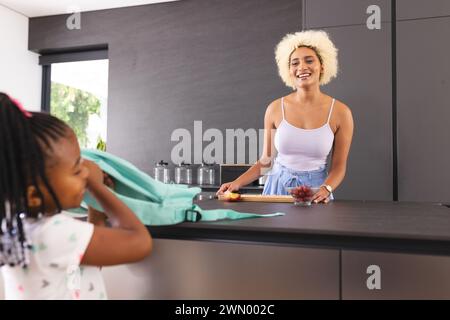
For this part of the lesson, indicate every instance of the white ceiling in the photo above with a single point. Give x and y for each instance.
(38, 8)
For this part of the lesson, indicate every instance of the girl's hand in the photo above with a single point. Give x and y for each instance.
(108, 181)
(95, 176)
(229, 186)
(321, 196)
(97, 217)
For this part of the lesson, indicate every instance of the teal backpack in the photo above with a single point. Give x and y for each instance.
(154, 203)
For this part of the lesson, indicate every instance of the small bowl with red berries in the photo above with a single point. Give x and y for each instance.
(302, 194)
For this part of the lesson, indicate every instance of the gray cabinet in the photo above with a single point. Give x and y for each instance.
(402, 276)
(364, 84)
(423, 96)
(2, 287)
(423, 109)
(328, 13)
(181, 269)
(414, 9)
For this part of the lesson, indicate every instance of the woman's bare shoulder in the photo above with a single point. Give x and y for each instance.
(341, 109)
(274, 107)
(274, 103)
(273, 113)
(342, 115)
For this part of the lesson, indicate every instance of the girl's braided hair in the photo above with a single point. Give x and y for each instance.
(25, 144)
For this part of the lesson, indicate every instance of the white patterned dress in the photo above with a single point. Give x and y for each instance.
(54, 271)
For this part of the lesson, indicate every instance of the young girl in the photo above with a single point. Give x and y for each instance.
(45, 254)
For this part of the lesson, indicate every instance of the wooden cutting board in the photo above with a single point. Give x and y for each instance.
(261, 198)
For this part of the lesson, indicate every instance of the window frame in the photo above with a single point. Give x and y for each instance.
(47, 59)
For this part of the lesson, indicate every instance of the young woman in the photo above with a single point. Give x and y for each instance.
(305, 126)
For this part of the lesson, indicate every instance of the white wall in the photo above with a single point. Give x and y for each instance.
(20, 74)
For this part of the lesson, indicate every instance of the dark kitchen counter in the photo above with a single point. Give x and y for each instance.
(374, 225)
(320, 252)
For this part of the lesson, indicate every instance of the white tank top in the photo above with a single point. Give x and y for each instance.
(303, 149)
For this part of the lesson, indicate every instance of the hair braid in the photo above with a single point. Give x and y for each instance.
(25, 144)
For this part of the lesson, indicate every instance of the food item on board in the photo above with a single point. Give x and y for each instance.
(232, 196)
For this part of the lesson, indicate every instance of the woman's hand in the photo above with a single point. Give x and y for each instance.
(321, 196)
(229, 186)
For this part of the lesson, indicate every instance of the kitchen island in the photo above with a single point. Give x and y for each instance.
(341, 250)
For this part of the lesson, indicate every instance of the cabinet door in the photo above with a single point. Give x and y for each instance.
(332, 13)
(402, 276)
(423, 109)
(364, 84)
(413, 9)
(181, 269)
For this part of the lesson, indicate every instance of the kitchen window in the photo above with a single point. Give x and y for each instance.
(77, 93)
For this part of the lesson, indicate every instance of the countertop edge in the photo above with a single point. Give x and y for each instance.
(309, 239)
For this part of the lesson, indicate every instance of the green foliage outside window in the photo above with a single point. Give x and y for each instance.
(101, 144)
(74, 106)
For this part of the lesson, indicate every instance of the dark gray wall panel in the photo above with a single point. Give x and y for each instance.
(174, 63)
(423, 110)
(212, 60)
(413, 9)
(215, 65)
(326, 13)
(364, 84)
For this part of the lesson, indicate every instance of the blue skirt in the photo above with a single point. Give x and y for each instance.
(280, 178)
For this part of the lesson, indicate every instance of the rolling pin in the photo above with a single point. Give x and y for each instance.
(259, 198)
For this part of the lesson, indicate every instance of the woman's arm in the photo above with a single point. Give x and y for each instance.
(127, 241)
(264, 163)
(342, 142)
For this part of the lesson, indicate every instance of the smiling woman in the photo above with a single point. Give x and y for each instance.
(305, 126)
(317, 41)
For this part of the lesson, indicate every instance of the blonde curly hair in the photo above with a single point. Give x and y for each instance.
(316, 40)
